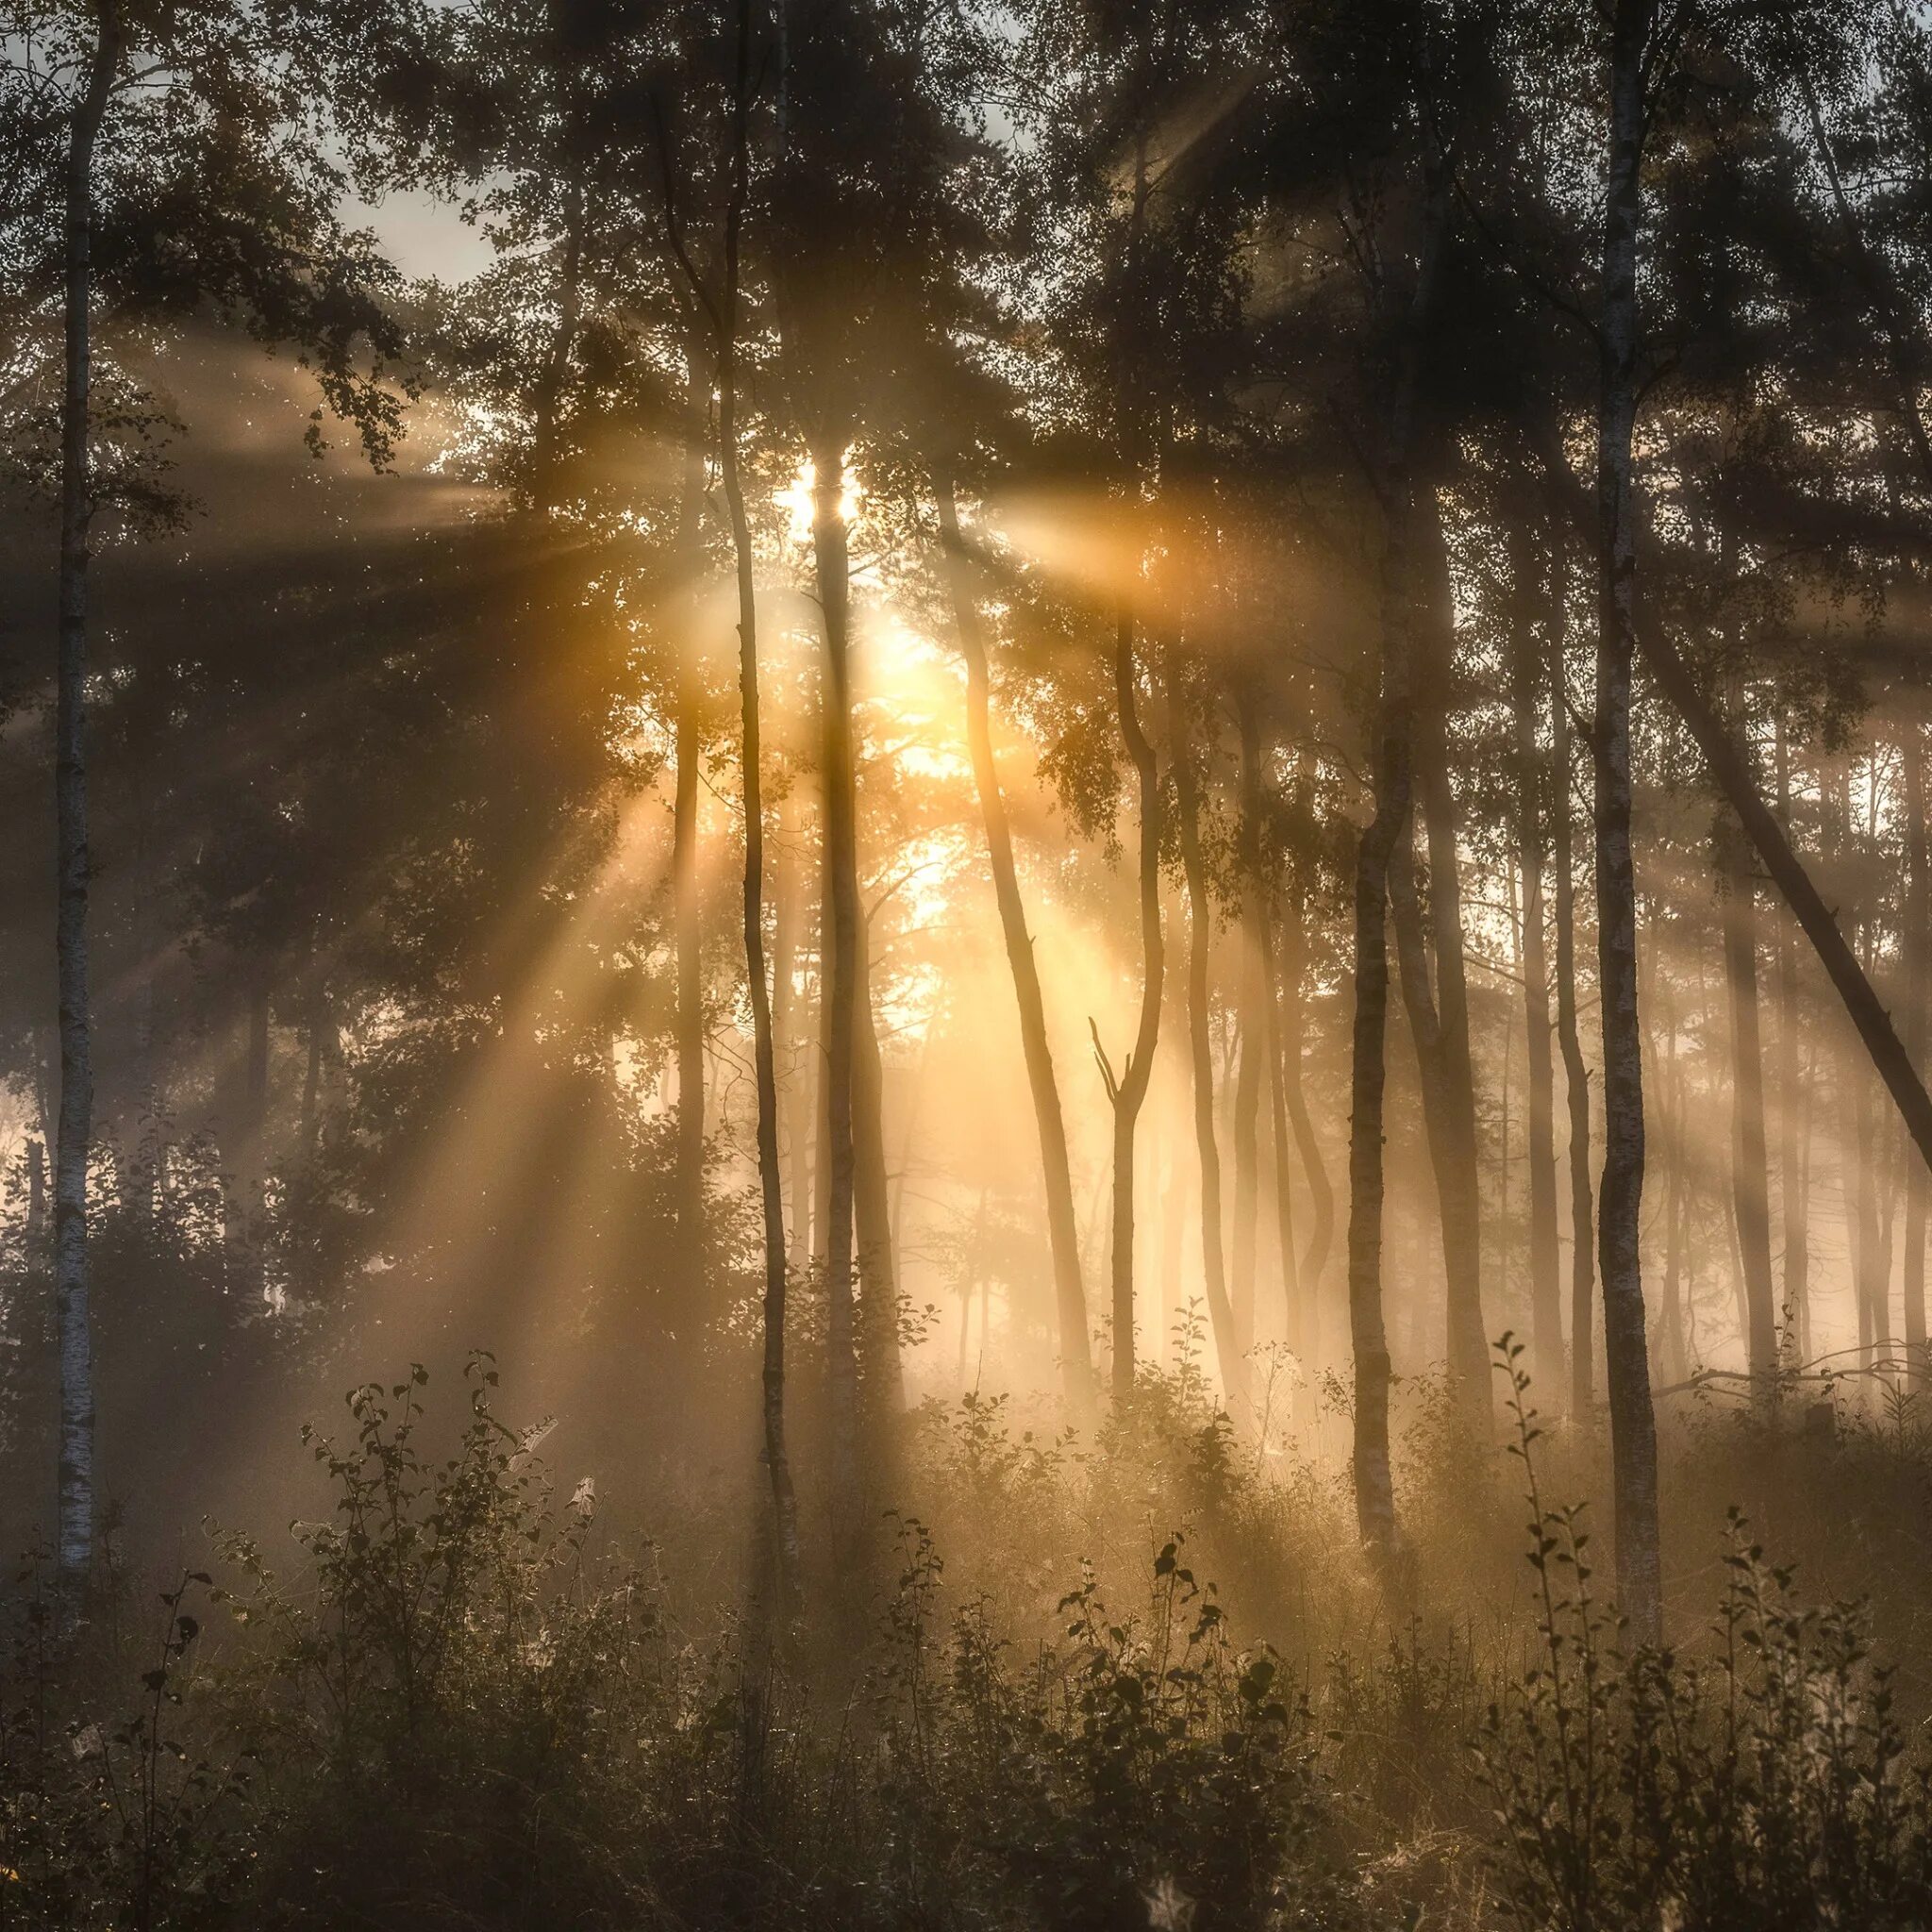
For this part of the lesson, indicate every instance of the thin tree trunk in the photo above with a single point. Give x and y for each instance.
(1750, 1172)
(1375, 855)
(770, 1187)
(1672, 1359)
(1256, 1032)
(1545, 1253)
(1077, 1363)
(879, 1366)
(821, 1084)
(1425, 1032)
(1750, 1179)
(1569, 1037)
(1837, 828)
(1458, 1173)
(1229, 1352)
(690, 1184)
(1129, 1089)
(1918, 942)
(1633, 1425)
(74, 1540)
(1297, 1328)
(36, 1198)
(1294, 950)
(795, 1100)
(1871, 1266)
(1794, 1116)
(1374, 1487)
(1861, 1002)
(148, 1155)
(1502, 1155)
(842, 937)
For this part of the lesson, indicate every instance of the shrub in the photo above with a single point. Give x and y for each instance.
(1758, 1785)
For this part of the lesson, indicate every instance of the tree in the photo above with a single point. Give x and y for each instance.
(180, 166)
(1062, 1232)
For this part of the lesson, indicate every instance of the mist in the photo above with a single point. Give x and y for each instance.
(964, 970)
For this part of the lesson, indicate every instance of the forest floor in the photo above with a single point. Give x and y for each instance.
(1138, 1679)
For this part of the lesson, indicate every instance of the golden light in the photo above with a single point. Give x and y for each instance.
(796, 499)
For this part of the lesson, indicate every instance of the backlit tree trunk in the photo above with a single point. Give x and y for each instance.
(1918, 909)
(1374, 1487)
(1545, 1257)
(1229, 1350)
(795, 1109)
(1298, 1328)
(1127, 1089)
(841, 938)
(872, 1217)
(1256, 1029)
(1290, 1001)
(1453, 1142)
(690, 1312)
(1750, 1180)
(1673, 1361)
(1076, 1366)
(764, 1052)
(1849, 979)
(75, 1527)
(1794, 1116)
(1633, 1425)
(1569, 1037)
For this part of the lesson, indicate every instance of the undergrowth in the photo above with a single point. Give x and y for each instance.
(452, 1703)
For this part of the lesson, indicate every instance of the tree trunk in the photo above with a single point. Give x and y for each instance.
(796, 1114)
(1861, 1002)
(878, 1309)
(1793, 1163)
(1129, 1090)
(1374, 1487)
(1297, 1325)
(1426, 1031)
(36, 1198)
(1917, 942)
(770, 1187)
(821, 1057)
(1545, 1253)
(1750, 1179)
(1375, 855)
(1229, 1351)
(1295, 949)
(148, 1135)
(1867, 1265)
(1457, 1170)
(1569, 1037)
(1633, 1425)
(840, 923)
(75, 1539)
(1256, 1032)
(1672, 1361)
(690, 1312)
(1077, 1364)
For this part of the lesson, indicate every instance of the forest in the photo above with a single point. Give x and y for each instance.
(965, 965)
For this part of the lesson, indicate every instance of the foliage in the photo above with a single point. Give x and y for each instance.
(1764, 1784)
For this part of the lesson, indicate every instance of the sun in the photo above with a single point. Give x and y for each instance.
(796, 499)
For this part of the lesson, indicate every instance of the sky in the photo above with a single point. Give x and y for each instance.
(423, 235)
